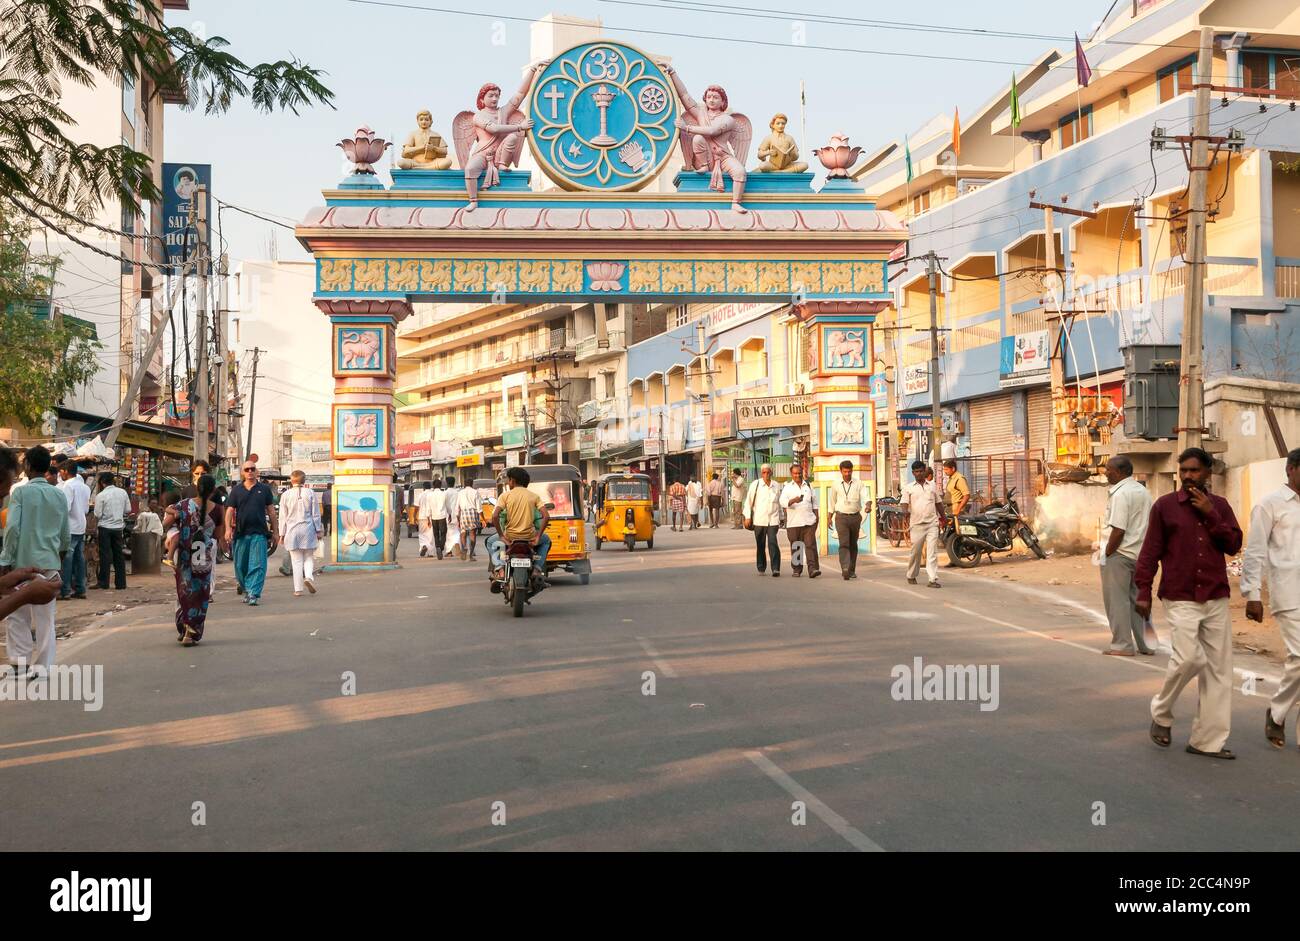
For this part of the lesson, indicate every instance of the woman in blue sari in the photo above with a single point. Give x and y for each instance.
(199, 532)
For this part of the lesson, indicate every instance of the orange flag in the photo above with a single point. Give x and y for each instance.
(956, 133)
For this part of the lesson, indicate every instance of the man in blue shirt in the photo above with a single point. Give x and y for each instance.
(36, 536)
(250, 515)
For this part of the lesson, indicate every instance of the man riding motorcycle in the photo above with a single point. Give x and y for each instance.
(518, 516)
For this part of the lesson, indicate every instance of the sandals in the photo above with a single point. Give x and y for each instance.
(1276, 734)
(1160, 734)
(1223, 753)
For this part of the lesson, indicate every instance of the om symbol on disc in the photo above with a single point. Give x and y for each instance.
(603, 118)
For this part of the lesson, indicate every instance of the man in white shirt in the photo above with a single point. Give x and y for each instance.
(846, 509)
(74, 563)
(923, 500)
(438, 516)
(1273, 554)
(453, 519)
(763, 513)
(800, 502)
(111, 507)
(424, 518)
(1128, 508)
(737, 498)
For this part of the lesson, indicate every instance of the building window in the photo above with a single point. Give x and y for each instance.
(1277, 71)
(128, 99)
(1075, 129)
(921, 203)
(1175, 79)
(680, 316)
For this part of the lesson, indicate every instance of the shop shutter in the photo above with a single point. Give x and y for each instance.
(1040, 422)
(991, 425)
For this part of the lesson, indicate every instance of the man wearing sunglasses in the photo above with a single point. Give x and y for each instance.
(250, 515)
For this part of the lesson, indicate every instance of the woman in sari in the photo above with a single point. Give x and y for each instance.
(197, 528)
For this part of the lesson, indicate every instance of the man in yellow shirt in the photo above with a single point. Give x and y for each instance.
(957, 490)
(519, 516)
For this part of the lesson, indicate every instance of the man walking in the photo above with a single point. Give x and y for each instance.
(468, 506)
(763, 515)
(423, 511)
(77, 494)
(251, 516)
(846, 511)
(1128, 508)
(737, 499)
(1189, 534)
(111, 506)
(800, 502)
(1273, 554)
(923, 502)
(713, 492)
(438, 517)
(694, 497)
(36, 537)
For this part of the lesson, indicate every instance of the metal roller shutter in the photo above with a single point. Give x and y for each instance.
(1040, 421)
(991, 425)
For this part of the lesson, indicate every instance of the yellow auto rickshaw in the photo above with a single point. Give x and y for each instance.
(560, 487)
(625, 512)
(487, 490)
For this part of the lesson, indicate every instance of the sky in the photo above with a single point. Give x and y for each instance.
(386, 62)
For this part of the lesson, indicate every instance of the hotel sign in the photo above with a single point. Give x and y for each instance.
(773, 411)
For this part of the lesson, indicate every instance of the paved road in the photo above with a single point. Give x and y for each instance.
(768, 691)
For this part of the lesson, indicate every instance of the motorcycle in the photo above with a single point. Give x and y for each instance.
(519, 582)
(994, 529)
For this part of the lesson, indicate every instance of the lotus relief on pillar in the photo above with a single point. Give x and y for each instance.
(838, 156)
(359, 527)
(364, 149)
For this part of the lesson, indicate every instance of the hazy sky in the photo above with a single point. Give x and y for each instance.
(385, 64)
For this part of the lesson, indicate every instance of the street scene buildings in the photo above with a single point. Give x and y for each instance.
(616, 320)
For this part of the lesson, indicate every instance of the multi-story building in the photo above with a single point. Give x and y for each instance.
(1119, 268)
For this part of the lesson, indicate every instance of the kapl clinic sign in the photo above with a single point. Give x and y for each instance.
(180, 182)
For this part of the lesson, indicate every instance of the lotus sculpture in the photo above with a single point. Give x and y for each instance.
(838, 156)
(359, 527)
(605, 275)
(364, 150)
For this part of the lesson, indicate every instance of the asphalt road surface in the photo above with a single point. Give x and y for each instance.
(775, 722)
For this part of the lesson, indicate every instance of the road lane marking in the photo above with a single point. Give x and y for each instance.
(856, 838)
(664, 668)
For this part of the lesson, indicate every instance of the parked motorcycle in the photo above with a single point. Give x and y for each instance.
(520, 582)
(994, 529)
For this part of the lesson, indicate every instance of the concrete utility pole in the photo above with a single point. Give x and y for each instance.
(252, 399)
(199, 406)
(1191, 391)
(701, 351)
(222, 410)
(936, 408)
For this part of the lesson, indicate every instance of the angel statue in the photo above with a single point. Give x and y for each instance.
(485, 144)
(718, 141)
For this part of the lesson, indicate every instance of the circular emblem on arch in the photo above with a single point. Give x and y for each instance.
(603, 118)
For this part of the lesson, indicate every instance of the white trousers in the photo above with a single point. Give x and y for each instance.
(304, 566)
(20, 625)
(925, 539)
(1200, 635)
(1288, 690)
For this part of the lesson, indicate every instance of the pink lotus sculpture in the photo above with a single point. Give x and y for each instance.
(838, 156)
(604, 275)
(364, 150)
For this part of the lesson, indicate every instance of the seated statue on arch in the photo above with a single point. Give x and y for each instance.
(717, 141)
(492, 139)
(779, 151)
(424, 149)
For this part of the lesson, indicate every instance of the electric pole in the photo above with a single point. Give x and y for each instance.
(702, 351)
(252, 399)
(201, 397)
(936, 411)
(222, 410)
(556, 387)
(1191, 391)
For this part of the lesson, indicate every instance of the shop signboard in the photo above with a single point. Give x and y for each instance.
(180, 181)
(915, 421)
(470, 457)
(1024, 360)
(879, 389)
(588, 444)
(725, 316)
(916, 379)
(513, 438)
(773, 411)
(722, 424)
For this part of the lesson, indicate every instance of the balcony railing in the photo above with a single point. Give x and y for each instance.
(1287, 275)
(590, 347)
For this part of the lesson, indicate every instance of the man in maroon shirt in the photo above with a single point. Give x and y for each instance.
(1190, 533)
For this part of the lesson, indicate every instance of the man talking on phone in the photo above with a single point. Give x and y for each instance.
(1189, 536)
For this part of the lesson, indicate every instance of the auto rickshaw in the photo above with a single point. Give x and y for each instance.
(487, 490)
(626, 511)
(560, 487)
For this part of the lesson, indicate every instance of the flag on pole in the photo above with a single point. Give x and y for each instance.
(956, 133)
(1015, 104)
(907, 155)
(1082, 71)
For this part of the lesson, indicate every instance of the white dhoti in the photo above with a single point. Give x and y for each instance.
(426, 535)
(1288, 688)
(453, 533)
(19, 627)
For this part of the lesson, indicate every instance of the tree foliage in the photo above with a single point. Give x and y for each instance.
(45, 44)
(42, 358)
